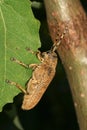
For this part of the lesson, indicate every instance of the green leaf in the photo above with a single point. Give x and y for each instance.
(18, 29)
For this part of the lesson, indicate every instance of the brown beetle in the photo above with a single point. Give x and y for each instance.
(41, 78)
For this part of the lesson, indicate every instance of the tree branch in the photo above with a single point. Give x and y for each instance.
(73, 49)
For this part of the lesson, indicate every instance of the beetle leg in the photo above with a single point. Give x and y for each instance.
(19, 62)
(33, 66)
(17, 85)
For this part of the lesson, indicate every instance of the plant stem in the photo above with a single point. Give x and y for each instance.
(73, 49)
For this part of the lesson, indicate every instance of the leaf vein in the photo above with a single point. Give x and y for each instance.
(5, 30)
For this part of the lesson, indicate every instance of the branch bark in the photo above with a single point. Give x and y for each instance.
(73, 49)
